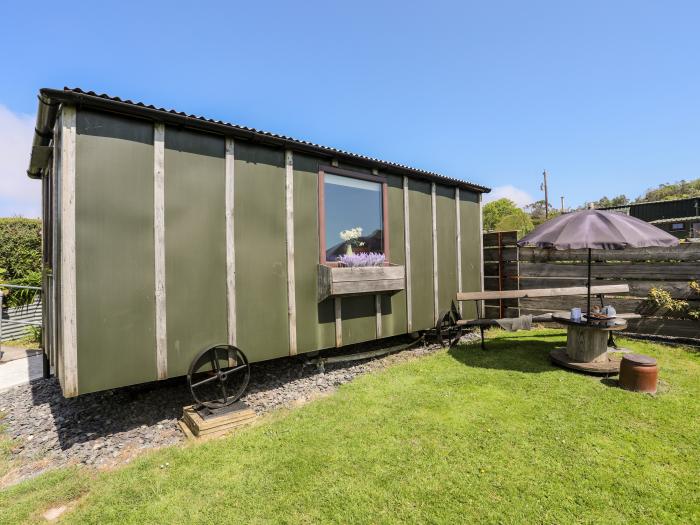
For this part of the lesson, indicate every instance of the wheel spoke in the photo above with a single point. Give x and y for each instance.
(232, 370)
(204, 381)
(215, 361)
(223, 389)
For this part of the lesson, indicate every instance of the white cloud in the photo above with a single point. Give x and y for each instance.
(518, 196)
(19, 195)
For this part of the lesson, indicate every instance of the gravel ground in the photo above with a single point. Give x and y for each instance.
(108, 428)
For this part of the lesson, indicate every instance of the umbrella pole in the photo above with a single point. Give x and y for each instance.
(588, 309)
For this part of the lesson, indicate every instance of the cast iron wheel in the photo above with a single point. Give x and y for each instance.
(447, 332)
(218, 376)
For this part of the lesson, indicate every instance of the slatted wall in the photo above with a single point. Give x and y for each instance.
(501, 272)
(670, 269)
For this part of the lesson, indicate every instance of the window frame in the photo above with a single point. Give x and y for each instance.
(695, 229)
(332, 170)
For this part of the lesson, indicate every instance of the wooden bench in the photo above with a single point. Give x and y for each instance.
(482, 323)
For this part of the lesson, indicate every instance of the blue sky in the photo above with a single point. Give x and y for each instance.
(604, 95)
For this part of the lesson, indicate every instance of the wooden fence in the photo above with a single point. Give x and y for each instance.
(507, 267)
(501, 270)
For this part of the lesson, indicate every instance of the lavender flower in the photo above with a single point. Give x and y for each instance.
(362, 259)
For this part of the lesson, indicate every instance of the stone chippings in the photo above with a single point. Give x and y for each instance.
(107, 428)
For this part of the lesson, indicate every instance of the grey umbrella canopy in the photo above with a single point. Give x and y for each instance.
(596, 229)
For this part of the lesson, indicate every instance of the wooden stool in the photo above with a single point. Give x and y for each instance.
(639, 373)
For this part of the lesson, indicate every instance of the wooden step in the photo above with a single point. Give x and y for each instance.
(214, 425)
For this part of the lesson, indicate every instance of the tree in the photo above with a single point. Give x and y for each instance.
(605, 202)
(518, 220)
(537, 214)
(495, 211)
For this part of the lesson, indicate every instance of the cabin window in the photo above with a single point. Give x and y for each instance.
(352, 211)
(677, 226)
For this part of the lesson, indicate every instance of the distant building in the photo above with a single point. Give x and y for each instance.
(680, 217)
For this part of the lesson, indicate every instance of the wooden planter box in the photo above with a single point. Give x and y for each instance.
(337, 281)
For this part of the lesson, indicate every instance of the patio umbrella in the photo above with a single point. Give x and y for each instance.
(596, 229)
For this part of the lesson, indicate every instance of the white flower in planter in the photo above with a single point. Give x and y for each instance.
(351, 235)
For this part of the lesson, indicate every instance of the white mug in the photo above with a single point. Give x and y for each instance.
(575, 314)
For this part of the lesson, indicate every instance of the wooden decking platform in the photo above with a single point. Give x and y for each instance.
(608, 368)
(194, 425)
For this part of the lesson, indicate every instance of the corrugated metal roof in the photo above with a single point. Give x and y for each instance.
(90, 97)
(676, 219)
(648, 202)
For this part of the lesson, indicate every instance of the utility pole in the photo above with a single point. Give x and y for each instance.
(562, 204)
(546, 196)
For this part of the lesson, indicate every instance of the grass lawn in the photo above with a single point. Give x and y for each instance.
(463, 436)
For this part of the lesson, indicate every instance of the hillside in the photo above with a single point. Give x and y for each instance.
(677, 190)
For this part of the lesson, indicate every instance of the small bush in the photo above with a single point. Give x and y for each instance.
(34, 334)
(670, 307)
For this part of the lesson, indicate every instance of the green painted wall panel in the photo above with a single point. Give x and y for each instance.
(471, 246)
(114, 253)
(315, 322)
(359, 319)
(394, 306)
(447, 245)
(261, 253)
(195, 245)
(419, 203)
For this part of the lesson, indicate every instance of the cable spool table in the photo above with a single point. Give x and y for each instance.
(587, 345)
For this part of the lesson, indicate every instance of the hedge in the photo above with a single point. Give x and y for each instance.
(20, 256)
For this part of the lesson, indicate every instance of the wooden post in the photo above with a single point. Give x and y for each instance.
(338, 322)
(159, 248)
(588, 285)
(291, 288)
(546, 196)
(378, 310)
(499, 240)
(459, 246)
(68, 270)
(407, 243)
(481, 251)
(517, 270)
(436, 304)
(230, 241)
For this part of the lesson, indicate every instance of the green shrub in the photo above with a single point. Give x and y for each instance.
(18, 297)
(670, 307)
(34, 334)
(20, 246)
(20, 257)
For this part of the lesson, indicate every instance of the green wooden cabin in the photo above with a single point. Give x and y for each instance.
(166, 233)
(679, 217)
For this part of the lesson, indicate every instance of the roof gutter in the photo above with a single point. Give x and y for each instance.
(52, 98)
(43, 134)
